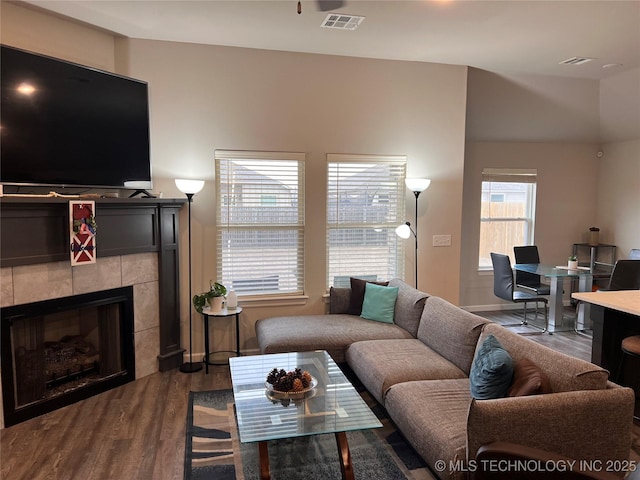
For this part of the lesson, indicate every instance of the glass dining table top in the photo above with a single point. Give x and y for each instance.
(332, 406)
(557, 271)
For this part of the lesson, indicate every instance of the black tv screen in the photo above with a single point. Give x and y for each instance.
(63, 124)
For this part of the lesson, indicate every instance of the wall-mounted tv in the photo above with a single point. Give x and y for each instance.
(63, 124)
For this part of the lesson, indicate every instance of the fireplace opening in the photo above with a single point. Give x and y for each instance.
(57, 352)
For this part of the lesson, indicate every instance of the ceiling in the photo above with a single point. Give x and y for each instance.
(509, 36)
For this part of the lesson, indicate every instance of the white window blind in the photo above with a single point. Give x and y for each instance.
(260, 221)
(365, 204)
(507, 215)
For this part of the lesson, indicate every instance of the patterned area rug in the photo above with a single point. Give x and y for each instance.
(213, 449)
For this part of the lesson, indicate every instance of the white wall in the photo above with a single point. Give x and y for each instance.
(569, 120)
(531, 108)
(205, 98)
(618, 212)
(566, 204)
(620, 107)
(619, 168)
(43, 33)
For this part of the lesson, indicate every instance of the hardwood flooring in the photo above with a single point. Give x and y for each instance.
(568, 342)
(137, 431)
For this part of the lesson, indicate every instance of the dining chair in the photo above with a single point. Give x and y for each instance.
(526, 280)
(625, 276)
(503, 287)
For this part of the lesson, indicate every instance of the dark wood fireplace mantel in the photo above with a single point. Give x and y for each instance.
(35, 230)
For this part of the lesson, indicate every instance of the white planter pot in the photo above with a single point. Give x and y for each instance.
(573, 265)
(215, 304)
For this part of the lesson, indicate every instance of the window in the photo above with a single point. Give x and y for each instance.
(365, 204)
(260, 221)
(507, 212)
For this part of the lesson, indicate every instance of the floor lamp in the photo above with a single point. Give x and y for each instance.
(190, 188)
(417, 186)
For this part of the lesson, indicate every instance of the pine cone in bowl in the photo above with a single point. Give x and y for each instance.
(293, 381)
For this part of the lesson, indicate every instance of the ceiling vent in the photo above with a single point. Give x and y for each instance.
(341, 21)
(576, 61)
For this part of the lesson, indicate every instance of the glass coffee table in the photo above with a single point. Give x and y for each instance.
(333, 406)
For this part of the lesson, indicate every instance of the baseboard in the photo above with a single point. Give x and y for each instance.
(171, 360)
(492, 307)
(197, 356)
(500, 306)
(251, 351)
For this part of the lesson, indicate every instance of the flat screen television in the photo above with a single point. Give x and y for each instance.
(67, 125)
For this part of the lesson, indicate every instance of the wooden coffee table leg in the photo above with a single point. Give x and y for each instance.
(264, 461)
(345, 456)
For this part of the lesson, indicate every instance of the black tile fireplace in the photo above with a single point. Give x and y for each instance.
(57, 352)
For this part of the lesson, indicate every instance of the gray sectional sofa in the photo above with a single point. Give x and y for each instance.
(418, 368)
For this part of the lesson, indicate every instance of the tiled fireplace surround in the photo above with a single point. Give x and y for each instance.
(138, 246)
(32, 283)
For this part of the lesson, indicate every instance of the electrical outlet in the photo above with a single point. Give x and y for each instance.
(442, 240)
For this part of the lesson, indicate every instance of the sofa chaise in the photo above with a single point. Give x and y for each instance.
(418, 368)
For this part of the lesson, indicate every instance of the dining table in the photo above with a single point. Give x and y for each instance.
(556, 275)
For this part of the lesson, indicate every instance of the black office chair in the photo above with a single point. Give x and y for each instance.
(625, 276)
(503, 288)
(526, 280)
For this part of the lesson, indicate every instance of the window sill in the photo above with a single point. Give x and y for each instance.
(272, 301)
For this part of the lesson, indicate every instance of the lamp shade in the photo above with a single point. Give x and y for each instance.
(189, 186)
(403, 231)
(417, 184)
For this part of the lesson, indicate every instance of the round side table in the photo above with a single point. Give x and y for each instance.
(220, 357)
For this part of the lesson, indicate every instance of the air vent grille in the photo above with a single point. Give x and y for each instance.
(576, 61)
(341, 21)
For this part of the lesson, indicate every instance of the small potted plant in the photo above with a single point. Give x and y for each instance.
(573, 262)
(214, 297)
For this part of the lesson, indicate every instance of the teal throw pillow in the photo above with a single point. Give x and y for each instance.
(492, 371)
(379, 303)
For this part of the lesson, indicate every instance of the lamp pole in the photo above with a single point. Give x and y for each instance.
(190, 188)
(415, 235)
(190, 367)
(417, 186)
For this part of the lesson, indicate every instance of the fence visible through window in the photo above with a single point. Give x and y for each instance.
(507, 215)
(260, 221)
(365, 204)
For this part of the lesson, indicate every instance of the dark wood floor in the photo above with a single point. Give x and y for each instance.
(137, 431)
(566, 341)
